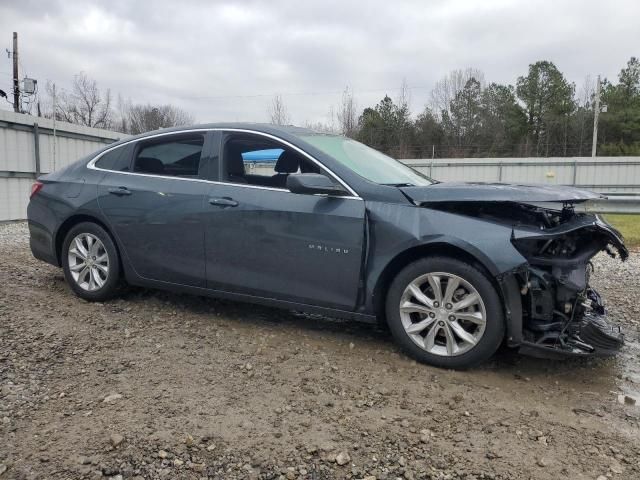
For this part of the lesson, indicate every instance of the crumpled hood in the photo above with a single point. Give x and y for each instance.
(497, 192)
(590, 224)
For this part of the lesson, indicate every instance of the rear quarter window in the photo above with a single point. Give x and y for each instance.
(118, 159)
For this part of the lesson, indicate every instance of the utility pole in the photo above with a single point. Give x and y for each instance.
(55, 140)
(596, 114)
(16, 81)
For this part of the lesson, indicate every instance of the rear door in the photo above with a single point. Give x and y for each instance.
(155, 208)
(266, 241)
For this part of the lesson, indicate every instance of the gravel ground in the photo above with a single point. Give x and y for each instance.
(158, 385)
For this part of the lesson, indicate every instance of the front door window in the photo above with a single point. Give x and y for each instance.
(260, 161)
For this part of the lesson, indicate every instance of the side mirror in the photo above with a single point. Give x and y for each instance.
(312, 183)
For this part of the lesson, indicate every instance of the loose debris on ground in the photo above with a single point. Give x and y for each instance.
(161, 386)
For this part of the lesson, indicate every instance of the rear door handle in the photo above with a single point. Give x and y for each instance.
(223, 202)
(120, 191)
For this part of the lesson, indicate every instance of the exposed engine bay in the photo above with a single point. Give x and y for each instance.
(561, 313)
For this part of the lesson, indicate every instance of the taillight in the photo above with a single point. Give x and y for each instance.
(35, 188)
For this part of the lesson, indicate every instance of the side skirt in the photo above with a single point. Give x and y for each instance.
(246, 298)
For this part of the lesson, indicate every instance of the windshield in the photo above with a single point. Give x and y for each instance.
(367, 162)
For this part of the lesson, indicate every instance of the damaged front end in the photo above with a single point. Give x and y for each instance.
(551, 309)
(562, 313)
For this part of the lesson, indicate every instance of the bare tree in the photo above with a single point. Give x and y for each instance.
(144, 118)
(587, 91)
(321, 127)
(277, 111)
(584, 113)
(348, 114)
(121, 123)
(328, 125)
(403, 125)
(85, 104)
(404, 96)
(446, 89)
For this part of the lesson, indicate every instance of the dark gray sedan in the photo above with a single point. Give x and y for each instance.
(332, 227)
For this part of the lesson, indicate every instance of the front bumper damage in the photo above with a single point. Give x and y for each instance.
(562, 315)
(551, 308)
(593, 335)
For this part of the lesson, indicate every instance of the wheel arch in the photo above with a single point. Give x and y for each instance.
(409, 255)
(74, 220)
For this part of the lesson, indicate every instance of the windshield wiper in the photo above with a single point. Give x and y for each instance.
(399, 184)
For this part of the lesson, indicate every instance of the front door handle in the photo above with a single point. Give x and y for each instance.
(223, 202)
(120, 191)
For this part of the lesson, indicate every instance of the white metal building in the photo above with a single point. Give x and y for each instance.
(28, 149)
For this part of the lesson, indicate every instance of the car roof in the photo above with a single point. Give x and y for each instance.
(286, 132)
(256, 127)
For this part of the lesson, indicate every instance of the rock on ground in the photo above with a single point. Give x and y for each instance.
(215, 389)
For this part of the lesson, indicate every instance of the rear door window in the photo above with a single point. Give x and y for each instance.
(172, 156)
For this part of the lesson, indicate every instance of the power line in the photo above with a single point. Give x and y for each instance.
(311, 93)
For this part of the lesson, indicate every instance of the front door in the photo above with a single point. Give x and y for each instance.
(156, 209)
(263, 240)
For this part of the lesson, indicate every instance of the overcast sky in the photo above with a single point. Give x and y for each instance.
(223, 61)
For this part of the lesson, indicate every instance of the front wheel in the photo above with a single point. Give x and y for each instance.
(90, 262)
(445, 312)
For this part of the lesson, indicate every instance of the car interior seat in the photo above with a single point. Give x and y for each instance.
(149, 165)
(234, 163)
(288, 162)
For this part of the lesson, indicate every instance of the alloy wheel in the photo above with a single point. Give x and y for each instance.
(88, 262)
(443, 314)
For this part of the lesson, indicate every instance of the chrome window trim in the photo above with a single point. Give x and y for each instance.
(92, 163)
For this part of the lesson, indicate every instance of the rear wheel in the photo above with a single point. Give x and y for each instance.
(445, 312)
(90, 262)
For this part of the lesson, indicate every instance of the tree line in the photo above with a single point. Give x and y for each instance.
(541, 115)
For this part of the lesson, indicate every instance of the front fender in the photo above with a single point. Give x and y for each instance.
(401, 233)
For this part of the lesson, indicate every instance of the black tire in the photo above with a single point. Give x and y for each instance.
(112, 281)
(494, 328)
